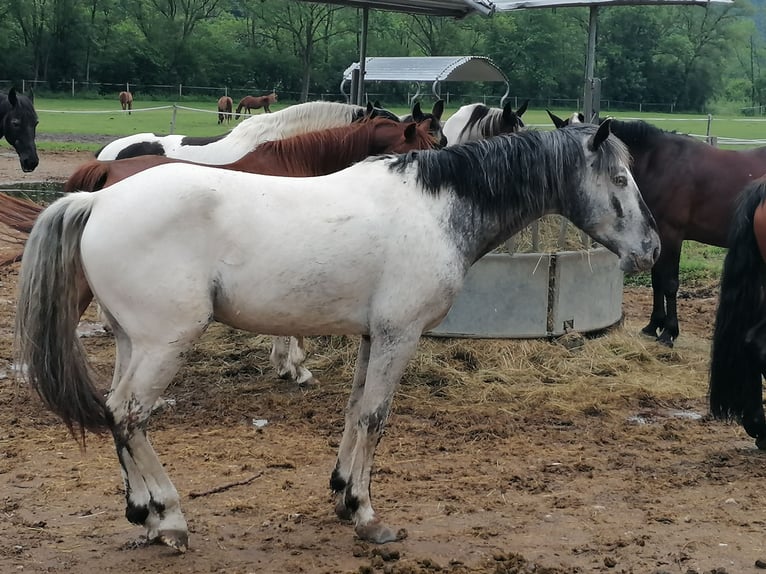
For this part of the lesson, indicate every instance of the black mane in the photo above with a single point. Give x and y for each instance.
(501, 174)
(639, 135)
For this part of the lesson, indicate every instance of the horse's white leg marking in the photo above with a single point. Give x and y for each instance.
(342, 472)
(287, 356)
(152, 500)
(391, 349)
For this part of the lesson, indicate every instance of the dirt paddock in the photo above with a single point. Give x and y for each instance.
(589, 455)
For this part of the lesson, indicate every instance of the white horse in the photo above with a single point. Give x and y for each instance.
(227, 148)
(477, 121)
(175, 247)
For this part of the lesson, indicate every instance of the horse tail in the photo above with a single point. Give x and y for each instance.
(90, 176)
(48, 350)
(735, 374)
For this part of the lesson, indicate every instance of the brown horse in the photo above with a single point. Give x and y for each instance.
(253, 103)
(690, 187)
(225, 105)
(126, 101)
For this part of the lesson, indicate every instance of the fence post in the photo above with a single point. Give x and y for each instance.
(179, 90)
(73, 87)
(173, 120)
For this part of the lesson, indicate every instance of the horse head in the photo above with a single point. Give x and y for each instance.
(390, 136)
(575, 118)
(512, 119)
(18, 123)
(434, 118)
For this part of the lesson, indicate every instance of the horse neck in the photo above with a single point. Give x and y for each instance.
(315, 153)
(499, 186)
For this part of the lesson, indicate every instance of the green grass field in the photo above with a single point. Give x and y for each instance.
(104, 117)
(700, 264)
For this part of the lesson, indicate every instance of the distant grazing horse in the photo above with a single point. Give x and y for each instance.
(18, 122)
(245, 137)
(126, 101)
(690, 187)
(437, 128)
(477, 121)
(385, 264)
(225, 104)
(254, 102)
(316, 153)
(738, 356)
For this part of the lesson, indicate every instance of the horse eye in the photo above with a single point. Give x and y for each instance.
(620, 180)
(15, 123)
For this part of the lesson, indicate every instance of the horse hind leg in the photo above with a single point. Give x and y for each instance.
(151, 498)
(287, 357)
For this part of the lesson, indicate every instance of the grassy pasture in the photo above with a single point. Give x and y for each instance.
(700, 264)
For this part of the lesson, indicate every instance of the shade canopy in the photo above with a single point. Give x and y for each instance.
(435, 70)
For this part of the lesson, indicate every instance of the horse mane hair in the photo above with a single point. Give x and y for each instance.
(311, 116)
(346, 143)
(496, 174)
(640, 135)
(488, 121)
(735, 375)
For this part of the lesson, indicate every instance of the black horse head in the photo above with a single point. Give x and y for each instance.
(18, 122)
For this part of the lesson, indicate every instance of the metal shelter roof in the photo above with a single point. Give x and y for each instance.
(429, 69)
(454, 8)
(435, 69)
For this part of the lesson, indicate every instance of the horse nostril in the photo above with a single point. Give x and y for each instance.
(656, 253)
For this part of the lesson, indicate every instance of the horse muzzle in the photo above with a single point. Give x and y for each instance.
(29, 163)
(644, 259)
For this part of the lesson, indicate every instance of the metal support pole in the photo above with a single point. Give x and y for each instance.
(362, 56)
(590, 64)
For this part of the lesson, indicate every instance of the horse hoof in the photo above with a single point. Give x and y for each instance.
(175, 539)
(379, 534)
(665, 341)
(649, 332)
(310, 382)
(342, 511)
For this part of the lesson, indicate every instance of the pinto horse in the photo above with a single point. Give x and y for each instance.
(245, 137)
(225, 104)
(690, 188)
(385, 264)
(126, 101)
(316, 153)
(254, 102)
(738, 353)
(18, 123)
(477, 121)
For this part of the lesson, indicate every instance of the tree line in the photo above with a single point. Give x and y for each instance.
(688, 56)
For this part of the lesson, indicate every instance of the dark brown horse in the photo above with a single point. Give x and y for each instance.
(738, 355)
(254, 102)
(225, 105)
(690, 188)
(126, 101)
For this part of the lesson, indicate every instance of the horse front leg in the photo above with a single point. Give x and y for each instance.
(151, 498)
(389, 352)
(287, 357)
(669, 283)
(657, 318)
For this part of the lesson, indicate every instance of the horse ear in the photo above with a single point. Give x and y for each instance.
(522, 109)
(603, 132)
(417, 113)
(410, 132)
(377, 104)
(12, 97)
(370, 108)
(557, 121)
(438, 109)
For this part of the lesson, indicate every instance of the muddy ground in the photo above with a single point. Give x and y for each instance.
(507, 457)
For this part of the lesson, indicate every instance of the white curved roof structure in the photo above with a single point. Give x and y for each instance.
(434, 69)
